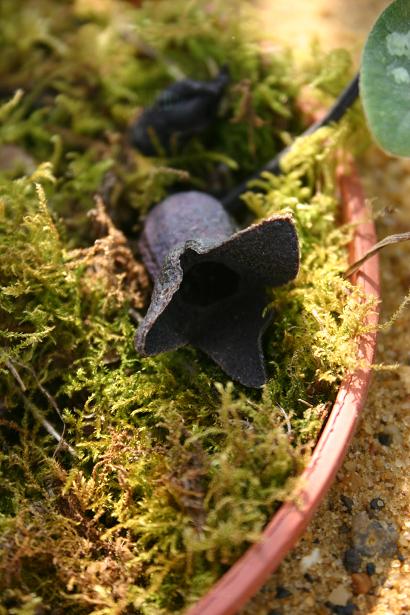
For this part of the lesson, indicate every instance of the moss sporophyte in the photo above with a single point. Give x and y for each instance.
(131, 483)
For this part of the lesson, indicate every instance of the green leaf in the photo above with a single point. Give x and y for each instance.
(385, 79)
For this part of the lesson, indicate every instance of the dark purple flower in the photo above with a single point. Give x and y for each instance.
(182, 110)
(210, 280)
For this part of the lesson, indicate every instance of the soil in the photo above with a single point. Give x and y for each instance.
(355, 555)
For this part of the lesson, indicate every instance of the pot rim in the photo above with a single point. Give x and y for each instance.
(254, 567)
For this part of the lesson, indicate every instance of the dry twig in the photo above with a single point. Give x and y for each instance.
(36, 412)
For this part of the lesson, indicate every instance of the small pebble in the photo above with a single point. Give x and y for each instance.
(377, 504)
(395, 432)
(282, 592)
(340, 596)
(370, 569)
(384, 438)
(361, 583)
(310, 560)
(374, 537)
(347, 503)
(352, 560)
(308, 577)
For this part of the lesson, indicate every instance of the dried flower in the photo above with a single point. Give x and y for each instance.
(182, 110)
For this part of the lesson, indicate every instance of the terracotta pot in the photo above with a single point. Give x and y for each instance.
(250, 572)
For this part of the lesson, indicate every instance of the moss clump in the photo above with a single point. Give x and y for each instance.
(130, 485)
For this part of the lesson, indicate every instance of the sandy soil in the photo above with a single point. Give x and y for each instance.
(334, 22)
(355, 556)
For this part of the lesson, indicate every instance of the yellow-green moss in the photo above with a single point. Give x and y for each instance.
(165, 471)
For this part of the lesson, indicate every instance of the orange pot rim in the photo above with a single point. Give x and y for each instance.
(251, 570)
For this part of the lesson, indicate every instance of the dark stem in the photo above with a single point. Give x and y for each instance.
(232, 203)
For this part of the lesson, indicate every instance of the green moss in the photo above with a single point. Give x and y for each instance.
(164, 471)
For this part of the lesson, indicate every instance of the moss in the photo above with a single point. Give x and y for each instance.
(130, 484)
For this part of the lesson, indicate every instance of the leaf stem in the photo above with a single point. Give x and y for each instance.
(346, 99)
